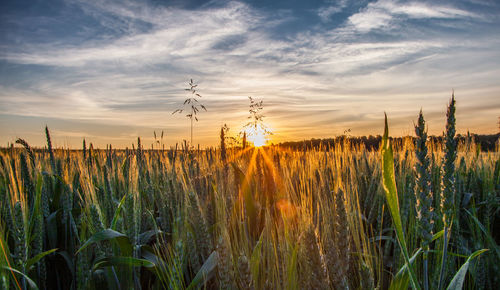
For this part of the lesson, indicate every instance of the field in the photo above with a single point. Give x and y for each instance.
(251, 218)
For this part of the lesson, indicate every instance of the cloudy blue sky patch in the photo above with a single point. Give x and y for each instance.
(114, 70)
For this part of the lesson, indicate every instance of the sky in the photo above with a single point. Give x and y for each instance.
(111, 71)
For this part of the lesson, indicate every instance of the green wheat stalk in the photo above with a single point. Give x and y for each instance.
(423, 193)
(448, 182)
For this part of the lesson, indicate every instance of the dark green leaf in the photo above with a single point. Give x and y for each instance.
(206, 272)
(37, 258)
(122, 261)
(109, 235)
(30, 282)
(117, 212)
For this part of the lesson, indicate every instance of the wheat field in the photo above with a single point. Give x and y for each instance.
(331, 217)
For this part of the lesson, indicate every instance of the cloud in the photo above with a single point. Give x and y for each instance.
(386, 14)
(175, 34)
(317, 81)
(326, 12)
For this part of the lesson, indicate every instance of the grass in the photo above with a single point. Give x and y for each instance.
(337, 217)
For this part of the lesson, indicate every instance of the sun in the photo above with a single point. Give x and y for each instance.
(257, 136)
(258, 140)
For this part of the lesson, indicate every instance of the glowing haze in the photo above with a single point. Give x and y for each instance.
(110, 71)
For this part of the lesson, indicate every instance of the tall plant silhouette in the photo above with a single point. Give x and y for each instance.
(193, 105)
(255, 125)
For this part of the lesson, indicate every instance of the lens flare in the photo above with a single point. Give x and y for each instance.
(258, 140)
(257, 136)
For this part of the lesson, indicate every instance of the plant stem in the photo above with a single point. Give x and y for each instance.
(443, 260)
(192, 127)
(426, 275)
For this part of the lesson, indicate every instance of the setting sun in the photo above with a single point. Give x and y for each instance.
(256, 130)
(258, 135)
(258, 140)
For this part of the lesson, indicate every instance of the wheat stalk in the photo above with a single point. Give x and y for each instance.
(423, 193)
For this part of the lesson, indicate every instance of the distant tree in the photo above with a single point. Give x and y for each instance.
(194, 105)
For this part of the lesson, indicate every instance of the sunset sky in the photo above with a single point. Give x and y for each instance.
(110, 71)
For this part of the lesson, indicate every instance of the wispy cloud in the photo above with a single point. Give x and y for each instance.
(174, 34)
(387, 14)
(326, 12)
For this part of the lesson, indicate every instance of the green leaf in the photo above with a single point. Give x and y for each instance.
(402, 279)
(206, 272)
(437, 235)
(52, 229)
(117, 212)
(256, 258)
(490, 239)
(148, 253)
(109, 234)
(389, 183)
(458, 281)
(69, 261)
(146, 236)
(391, 194)
(30, 282)
(37, 258)
(448, 253)
(292, 268)
(121, 261)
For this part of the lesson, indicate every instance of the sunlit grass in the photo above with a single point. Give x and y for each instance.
(262, 218)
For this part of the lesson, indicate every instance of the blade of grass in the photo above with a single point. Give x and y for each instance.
(122, 261)
(37, 258)
(117, 213)
(391, 194)
(401, 280)
(206, 271)
(30, 282)
(109, 234)
(458, 280)
(488, 236)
